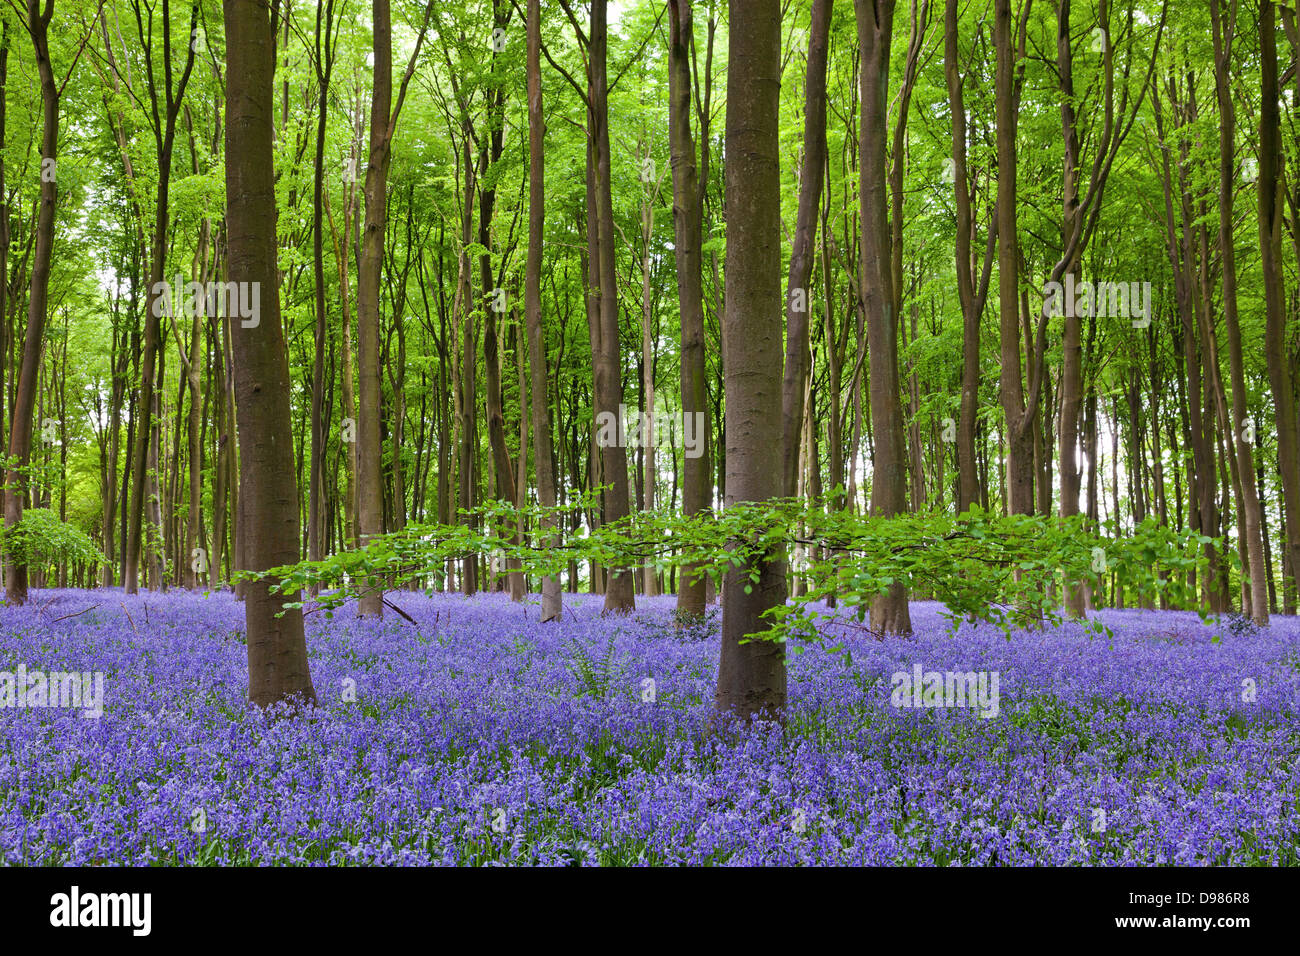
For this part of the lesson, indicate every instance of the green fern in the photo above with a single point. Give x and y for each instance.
(594, 675)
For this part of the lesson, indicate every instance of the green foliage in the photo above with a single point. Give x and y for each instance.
(41, 538)
(595, 675)
(1006, 571)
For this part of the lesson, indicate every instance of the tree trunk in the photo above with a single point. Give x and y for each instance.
(646, 444)
(543, 453)
(608, 380)
(158, 302)
(889, 612)
(752, 675)
(370, 502)
(687, 250)
(1275, 337)
(1019, 437)
(196, 547)
(1072, 344)
(324, 66)
(277, 647)
(967, 478)
(494, 300)
(468, 373)
(803, 252)
(1224, 34)
(20, 435)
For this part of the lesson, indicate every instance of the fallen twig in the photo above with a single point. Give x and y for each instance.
(389, 603)
(78, 614)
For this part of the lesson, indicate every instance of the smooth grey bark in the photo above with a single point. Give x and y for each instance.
(752, 674)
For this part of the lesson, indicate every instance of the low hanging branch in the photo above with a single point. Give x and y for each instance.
(1000, 570)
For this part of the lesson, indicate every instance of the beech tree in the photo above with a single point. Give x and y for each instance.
(797, 357)
(751, 673)
(383, 125)
(889, 612)
(1225, 31)
(24, 400)
(163, 117)
(323, 66)
(277, 646)
(606, 348)
(1280, 371)
(543, 453)
(688, 240)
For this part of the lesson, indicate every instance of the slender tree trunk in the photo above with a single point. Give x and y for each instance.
(803, 252)
(225, 443)
(1072, 344)
(1280, 373)
(6, 318)
(648, 432)
(324, 65)
(1224, 34)
(196, 545)
(967, 478)
(157, 302)
(468, 371)
(1019, 438)
(494, 301)
(687, 249)
(608, 380)
(543, 453)
(347, 387)
(370, 503)
(20, 434)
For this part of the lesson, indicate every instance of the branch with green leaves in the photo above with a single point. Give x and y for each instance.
(1003, 570)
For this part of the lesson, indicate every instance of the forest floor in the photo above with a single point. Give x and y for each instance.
(478, 735)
